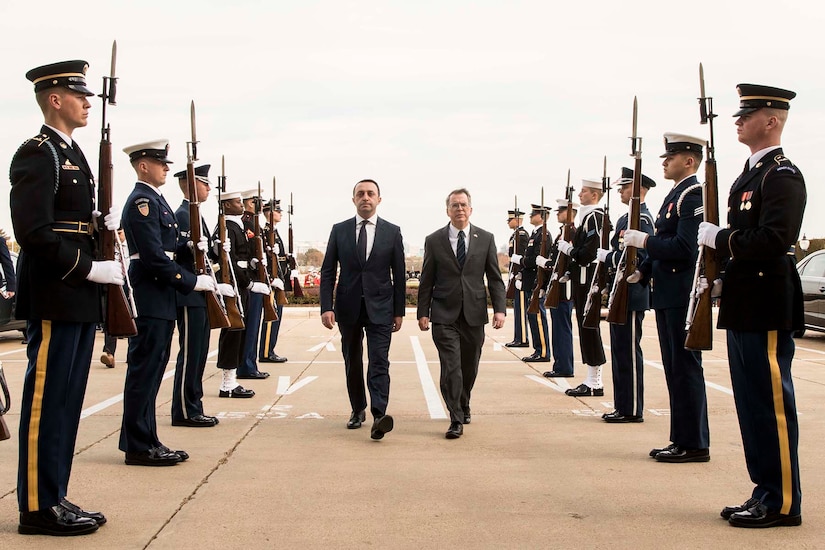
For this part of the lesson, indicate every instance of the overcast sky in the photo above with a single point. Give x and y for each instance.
(501, 97)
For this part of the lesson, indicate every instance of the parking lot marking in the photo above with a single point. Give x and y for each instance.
(431, 395)
(284, 387)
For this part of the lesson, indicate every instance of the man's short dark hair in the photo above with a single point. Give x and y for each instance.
(365, 181)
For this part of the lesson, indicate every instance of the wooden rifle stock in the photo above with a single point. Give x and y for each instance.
(560, 267)
(297, 291)
(535, 305)
(233, 310)
(275, 267)
(270, 314)
(593, 306)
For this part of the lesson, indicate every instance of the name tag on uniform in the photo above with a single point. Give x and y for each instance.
(69, 166)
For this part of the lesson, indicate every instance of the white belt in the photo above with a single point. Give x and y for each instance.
(170, 255)
(242, 264)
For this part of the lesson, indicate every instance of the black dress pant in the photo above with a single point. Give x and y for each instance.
(628, 365)
(193, 339)
(459, 349)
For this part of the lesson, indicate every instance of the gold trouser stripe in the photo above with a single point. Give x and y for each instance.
(36, 413)
(542, 340)
(781, 424)
(267, 336)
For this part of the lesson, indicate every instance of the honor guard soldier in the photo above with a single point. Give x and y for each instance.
(279, 273)
(765, 209)
(152, 235)
(625, 339)
(670, 261)
(582, 252)
(539, 330)
(518, 243)
(59, 295)
(248, 369)
(192, 319)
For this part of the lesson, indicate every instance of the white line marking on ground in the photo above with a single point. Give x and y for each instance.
(430, 393)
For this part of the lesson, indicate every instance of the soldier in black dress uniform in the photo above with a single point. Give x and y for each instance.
(518, 244)
(279, 275)
(762, 307)
(52, 205)
(192, 319)
(625, 340)
(152, 235)
(582, 252)
(671, 259)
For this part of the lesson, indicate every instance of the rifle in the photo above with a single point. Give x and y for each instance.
(215, 309)
(234, 307)
(269, 309)
(620, 294)
(514, 268)
(699, 322)
(534, 306)
(120, 311)
(560, 266)
(296, 284)
(280, 295)
(593, 306)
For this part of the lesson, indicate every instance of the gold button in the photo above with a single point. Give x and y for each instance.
(761, 274)
(177, 276)
(673, 270)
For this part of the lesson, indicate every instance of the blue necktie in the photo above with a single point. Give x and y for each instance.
(460, 249)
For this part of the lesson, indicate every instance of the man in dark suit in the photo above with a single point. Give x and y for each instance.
(370, 299)
(152, 236)
(451, 293)
(8, 279)
(762, 307)
(59, 294)
(670, 261)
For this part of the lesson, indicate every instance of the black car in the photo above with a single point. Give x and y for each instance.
(812, 273)
(7, 320)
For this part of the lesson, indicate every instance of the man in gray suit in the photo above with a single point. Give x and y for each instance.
(451, 294)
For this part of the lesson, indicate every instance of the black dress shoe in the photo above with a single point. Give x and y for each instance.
(583, 390)
(654, 452)
(183, 455)
(274, 358)
(199, 421)
(467, 418)
(356, 419)
(381, 426)
(728, 511)
(541, 360)
(257, 375)
(239, 391)
(554, 374)
(616, 418)
(515, 344)
(455, 431)
(530, 357)
(758, 516)
(213, 418)
(56, 521)
(97, 517)
(153, 457)
(679, 454)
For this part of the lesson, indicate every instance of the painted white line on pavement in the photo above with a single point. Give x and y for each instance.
(23, 349)
(284, 387)
(713, 385)
(430, 393)
(546, 382)
(496, 346)
(318, 347)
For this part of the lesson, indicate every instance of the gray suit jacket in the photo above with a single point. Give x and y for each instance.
(446, 290)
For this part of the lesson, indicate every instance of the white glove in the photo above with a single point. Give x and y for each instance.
(204, 283)
(564, 278)
(225, 289)
(258, 288)
(702, 286)
(516, 259)
(518, 284)
(635, 238)
(263, 260)
(294, 274)
(541, 261)
(707, 234)
(106, 272)
(601, 254)
(634, 277)
(227, 246)
(277, 283)
(203, 244)
(112, 219)
(253, 263)
(565, 247)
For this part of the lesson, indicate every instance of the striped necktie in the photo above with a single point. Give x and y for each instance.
(460, 249)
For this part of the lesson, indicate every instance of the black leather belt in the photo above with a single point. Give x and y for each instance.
(73, 227)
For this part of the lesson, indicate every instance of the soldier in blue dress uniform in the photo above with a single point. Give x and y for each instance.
(518, 244)
(152, 236)
(761, 307)
(670, 261)
(52, 209)
(279, 274)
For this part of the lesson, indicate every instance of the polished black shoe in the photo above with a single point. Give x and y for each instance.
(654, 452)
(728, 511)
(356, 419)
(530, 357)
(97, 517)
(274, 358)
(515, 344)
(381, 426)
(758, 516)
(257, 375)
(455, 431)
(183, 455)
(153, 457)
(199, 421)
(554, 374)
(541, 360)
(467, 418)
(616, 418)
(679, 454)
(239, 391)
(214, 418)
(583, 390)
(56, 521)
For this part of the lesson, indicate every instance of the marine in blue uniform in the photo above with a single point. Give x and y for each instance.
(671, 260)
(192, 319)
(279, 275)
(152, 236)
(517, 245)
(52, 203)
(762, 307)
(626, 356)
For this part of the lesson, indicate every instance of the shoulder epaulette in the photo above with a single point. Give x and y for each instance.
(684, 194)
